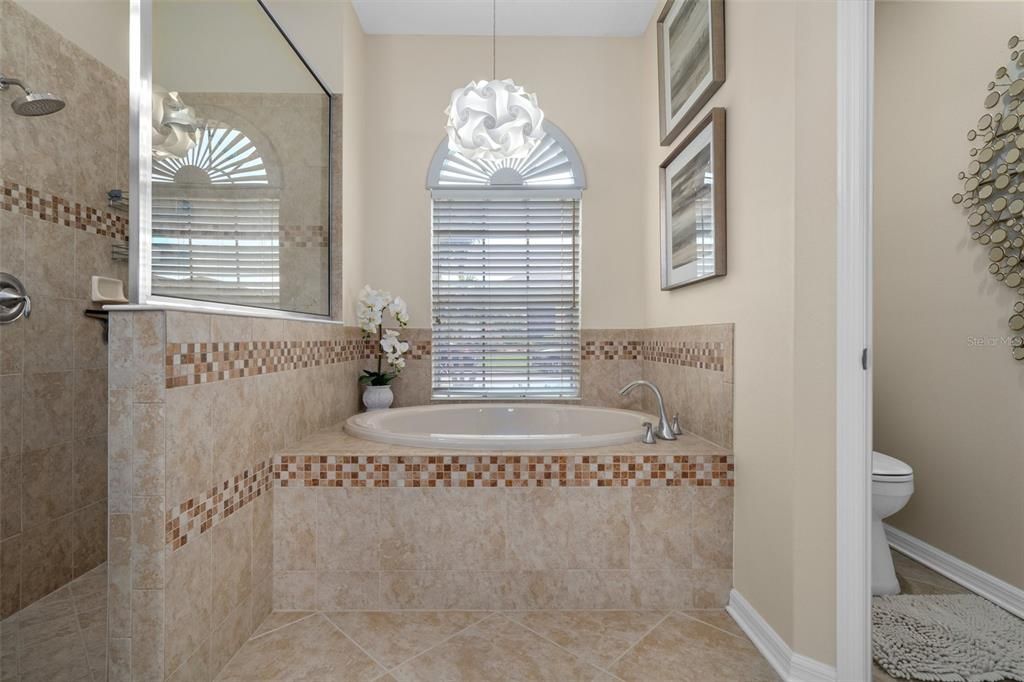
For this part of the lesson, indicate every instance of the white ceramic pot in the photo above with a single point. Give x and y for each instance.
(378, 397)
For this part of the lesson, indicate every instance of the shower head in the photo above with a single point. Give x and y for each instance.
(32, 103)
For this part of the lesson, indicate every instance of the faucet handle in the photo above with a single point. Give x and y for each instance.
(648, 434)
(676, 429)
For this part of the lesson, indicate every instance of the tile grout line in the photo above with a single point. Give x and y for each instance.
(575, 656)
(684, 614)
(260, 635)
(472, 625)
(634, 645)
(366, 653)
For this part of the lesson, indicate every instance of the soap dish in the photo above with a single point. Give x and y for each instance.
(107, 290)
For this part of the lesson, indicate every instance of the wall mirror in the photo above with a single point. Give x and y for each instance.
(234, 192)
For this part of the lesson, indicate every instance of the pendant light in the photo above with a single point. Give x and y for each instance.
(496, 119)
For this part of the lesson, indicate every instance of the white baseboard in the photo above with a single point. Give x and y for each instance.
(789, 665)
(998, 592)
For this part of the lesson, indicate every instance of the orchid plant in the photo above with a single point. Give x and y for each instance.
(373, 304)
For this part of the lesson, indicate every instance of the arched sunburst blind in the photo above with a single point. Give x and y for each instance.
(224, 155)
(216, 222)
(506, 273)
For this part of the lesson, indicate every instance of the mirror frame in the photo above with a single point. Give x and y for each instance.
(140, 181)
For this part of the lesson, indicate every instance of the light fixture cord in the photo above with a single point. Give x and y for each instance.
(494, 40)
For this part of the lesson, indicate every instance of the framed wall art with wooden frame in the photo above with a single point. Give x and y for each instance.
(692, 181)
(691, 60)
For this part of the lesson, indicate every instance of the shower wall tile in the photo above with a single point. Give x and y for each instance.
(55, 233)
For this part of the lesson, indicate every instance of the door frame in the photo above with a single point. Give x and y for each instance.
(855, 95)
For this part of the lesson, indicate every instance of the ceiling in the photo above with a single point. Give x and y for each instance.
(599, 18)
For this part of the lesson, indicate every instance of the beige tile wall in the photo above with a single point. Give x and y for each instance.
(53, 365)
(182, 612)
(447, 548)
(702, 397)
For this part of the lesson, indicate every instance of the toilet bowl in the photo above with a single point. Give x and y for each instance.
(892, 484)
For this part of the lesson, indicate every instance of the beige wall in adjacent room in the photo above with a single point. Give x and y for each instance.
(949, 408)
(780, 140)
(588, 86)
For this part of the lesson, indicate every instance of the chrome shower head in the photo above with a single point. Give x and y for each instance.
(32, 103)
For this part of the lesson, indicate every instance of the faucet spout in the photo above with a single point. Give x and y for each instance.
(664, 429)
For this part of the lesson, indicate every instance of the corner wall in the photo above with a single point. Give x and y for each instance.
(948, 395)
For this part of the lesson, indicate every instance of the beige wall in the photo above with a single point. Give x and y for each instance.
(779, 97)
(949, 408)
(587, 86)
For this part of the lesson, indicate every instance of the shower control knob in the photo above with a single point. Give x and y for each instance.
(14, 300)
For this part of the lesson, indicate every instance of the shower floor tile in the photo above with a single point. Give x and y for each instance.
(63, 636)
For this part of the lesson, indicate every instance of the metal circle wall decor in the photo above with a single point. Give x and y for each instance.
(993, 182)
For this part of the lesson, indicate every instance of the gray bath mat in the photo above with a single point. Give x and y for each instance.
(946, 638)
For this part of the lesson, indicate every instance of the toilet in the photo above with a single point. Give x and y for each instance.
(892, 484)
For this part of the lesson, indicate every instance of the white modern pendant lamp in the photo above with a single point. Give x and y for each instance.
(496, 119)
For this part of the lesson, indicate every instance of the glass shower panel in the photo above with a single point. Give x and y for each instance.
(241, 161)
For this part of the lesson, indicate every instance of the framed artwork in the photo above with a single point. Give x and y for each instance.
(693, 206)
(691, 60)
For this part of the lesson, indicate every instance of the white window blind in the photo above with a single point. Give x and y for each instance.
(221, 249)
(506, 285)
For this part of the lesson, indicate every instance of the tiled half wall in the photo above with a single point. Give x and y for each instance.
(199, 404)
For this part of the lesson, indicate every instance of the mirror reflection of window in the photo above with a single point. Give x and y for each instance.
(241, 149)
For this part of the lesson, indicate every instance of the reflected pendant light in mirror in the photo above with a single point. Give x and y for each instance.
(496, 119)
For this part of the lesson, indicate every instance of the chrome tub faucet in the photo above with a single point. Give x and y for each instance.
(664, 428)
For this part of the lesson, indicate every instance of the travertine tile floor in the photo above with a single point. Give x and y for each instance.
(483, 645)
(63, 636)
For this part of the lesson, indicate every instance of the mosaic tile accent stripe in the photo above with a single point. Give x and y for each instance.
(702, 355)
(502, 471)
(611, 350)
(54, 209)
(307, 236)
(201, 363)
(195, 516)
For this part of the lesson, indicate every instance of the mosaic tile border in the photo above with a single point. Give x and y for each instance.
(502, 471)
(23, 200)
(188, 364)
(708, 355)
(611, 350)
(196, 516)
(306, 236)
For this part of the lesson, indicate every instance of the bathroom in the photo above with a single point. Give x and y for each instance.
(310, 374)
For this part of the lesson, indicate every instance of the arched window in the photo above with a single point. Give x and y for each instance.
(505, 273)
(216, 221)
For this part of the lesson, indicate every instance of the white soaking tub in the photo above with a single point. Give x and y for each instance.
(499, 426)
